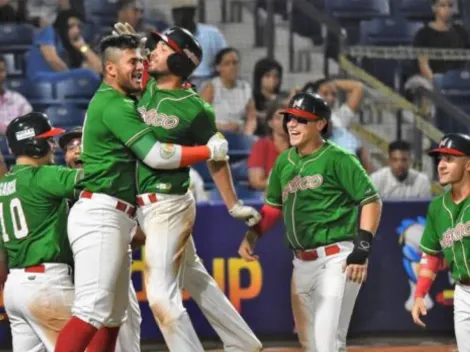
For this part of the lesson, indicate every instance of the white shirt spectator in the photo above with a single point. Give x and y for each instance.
(12, 105)
(212, 41)
(196, 186)
(343, 116)
(230, 103)
(415, 186)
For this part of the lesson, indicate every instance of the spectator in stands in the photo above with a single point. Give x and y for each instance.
(196, 186)
(12, 104)
(210, 38)
(59, 51)
(132, 12)
(399, 180)
(231, 97)
(266, 150)
(267, 79)
(10, 13)
(441, 33)
(43, 13)
(344, 115)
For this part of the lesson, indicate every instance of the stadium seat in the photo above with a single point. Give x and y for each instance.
(4, 146)
(19, 85)
(40, 93)
(243, 193)
(76, 91)
(392, 31)
(357, 9)
(240, 171)
(104, 8)
(419, 9)
(65, 116)
(239, 144)
(203, 171)
(15, 37)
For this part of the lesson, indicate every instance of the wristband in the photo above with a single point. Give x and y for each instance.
(269, 217)
(362, 248)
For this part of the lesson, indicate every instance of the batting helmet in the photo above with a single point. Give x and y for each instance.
(457, 144)
(28, 135)
(188, 53)
(307, 106)
(68, 136)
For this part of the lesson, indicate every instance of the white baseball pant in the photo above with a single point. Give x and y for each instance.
(38, 305)
(167, 224)
(234, 332)
(462, 317)
(129, 333)
(99, 235)
(323, 300)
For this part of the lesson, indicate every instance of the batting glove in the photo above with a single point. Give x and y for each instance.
(218, 147)
(362, 248)
(242, 212)
(126, 28)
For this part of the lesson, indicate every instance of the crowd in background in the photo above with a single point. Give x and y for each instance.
(63, 48)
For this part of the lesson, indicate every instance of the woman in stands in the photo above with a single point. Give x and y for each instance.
(267, 80)
(265, 151)
(230, 96)
(60, 52)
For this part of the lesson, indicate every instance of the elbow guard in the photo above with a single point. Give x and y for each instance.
(428, 268)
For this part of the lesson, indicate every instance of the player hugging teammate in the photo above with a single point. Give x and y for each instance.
(318, 187)
(445, 235)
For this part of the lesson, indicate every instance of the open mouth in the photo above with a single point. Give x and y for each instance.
(294, 133)
(79, 163)
(137, 76)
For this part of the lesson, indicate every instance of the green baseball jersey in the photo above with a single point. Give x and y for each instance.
(178, 116)
(447, 230)
(33, 214)
(111, 126)
(320, 195)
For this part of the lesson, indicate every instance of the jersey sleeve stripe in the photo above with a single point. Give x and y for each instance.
(370, 199)
(274, 204)
(429, 250)
(137, 136)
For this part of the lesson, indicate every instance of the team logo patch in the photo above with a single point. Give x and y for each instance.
(153, 118)
(20, 135)
(167, 151)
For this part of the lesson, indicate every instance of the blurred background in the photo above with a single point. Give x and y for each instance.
(394, 72)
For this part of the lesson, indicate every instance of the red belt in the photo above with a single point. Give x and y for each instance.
(152, 198)
(124, 207)
(313, 255)
(41, 268)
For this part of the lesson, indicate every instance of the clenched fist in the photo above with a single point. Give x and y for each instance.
(218, 146)
(242, 212)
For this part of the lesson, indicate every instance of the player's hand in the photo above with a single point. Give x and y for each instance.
(356, 272)
(125, 28)
(419, 308)
(248, 245)
(250, 215)
(218, 146)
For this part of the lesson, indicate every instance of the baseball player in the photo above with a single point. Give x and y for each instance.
(445, 234)
(38, 293)
(166, 209)
(101, 222)
(129, 333)
(318, 187)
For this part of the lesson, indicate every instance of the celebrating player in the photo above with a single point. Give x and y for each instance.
(318, 188)
(129, 333)
(39, 291)
(101, 221)
(167, 209)
(445, 234)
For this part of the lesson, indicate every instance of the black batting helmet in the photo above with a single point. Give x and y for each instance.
(308, 106)
(28, 135)
(68, 136)
(188, 53)
(457, 144)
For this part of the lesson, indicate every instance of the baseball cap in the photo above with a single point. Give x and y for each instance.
(65, 139)
(457, 144)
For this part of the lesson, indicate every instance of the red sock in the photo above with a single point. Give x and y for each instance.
(104, 340)
(75, 336)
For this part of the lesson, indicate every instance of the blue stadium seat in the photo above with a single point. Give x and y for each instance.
(418, 9)
(239, 171)
(357, 9)
(105, 8)
(392, 31)
(239, 144)
(15, 37)
(243, 193)
(4, 146)
(65, 116)
(40, 93)
(203, 171)
(19, 85)
(76, 91)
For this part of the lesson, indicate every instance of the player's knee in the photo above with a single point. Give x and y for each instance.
(164, 309)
